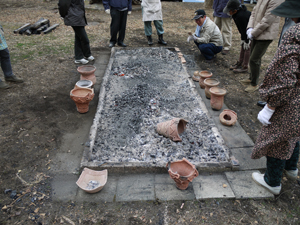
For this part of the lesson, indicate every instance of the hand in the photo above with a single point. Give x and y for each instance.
(265, 115)
(129, 12)
(107, 11)
(249, 33)
(195, 37)
(246, 46)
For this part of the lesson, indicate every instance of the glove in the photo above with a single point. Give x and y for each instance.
(129, 12)
(195, 38)
(249, 35)
(107, 11)
(242, 42)
(246, 46)
(190, 38)
(265, 115)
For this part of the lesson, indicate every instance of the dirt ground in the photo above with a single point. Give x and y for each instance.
(35, 115)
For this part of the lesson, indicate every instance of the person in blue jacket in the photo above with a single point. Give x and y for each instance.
(118, 10)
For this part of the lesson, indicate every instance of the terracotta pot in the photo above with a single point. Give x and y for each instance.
(172, 128)
(82, 98)
(196, 76)
(203, 75)
(182, 172)
(210, 82)
(228, 117)
(84, 84)
(87, 73)
(92, 181)
(217, 97)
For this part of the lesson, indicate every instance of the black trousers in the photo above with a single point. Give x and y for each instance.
(82, 43)
(118, 25)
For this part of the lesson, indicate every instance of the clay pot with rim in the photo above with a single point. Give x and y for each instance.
(82, 98)
(172, 128)
(84, 84)
(217, 97)
(203, 75)
(182, 172)
(87, 73)
(210, 82)
(228, 117)
(196, 76)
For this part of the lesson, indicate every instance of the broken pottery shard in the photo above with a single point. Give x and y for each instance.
(172, 128)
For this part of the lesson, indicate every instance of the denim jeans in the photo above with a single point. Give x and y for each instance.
(82, 43)
(209, 50)
(158, 25)
(5, 63)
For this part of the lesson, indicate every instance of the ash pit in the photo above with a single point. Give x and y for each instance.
(144, 87)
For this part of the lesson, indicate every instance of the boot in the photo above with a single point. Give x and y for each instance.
(150, 42)
(161, 40)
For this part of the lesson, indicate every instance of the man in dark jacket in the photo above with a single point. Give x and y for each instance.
(76, 19)
(118, 10)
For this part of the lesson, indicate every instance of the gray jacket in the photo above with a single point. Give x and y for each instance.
(76, 14)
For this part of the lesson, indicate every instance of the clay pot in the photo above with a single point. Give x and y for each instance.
(84, 84)
(172, 128)
(210, 82)
(196, 76)
(87, 73)
(203, 75)
(82, 98)
(217, 97)
(92, 181)
(228, 117)
(182, 172)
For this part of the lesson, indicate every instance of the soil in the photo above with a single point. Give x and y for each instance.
(35, 115)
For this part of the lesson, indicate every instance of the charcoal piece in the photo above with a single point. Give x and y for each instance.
(41, 29)
(39, 23)
(49, 29)
(22, 29)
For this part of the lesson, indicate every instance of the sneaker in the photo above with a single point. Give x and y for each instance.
(225, 52)
(292, 174)
(15, 79)
(82, 61)
(241, 70)
(235, 66)
(259, 179)
(245, 81)
(4, 85)
(251, 88)
(90, 58)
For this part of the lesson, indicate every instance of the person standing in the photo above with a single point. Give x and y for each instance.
(75, 18)
(262, 29)
(279, 138)
(223, 21)
(151, 10)
(118, 10)
(6, 64)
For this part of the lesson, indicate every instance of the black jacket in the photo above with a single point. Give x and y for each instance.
(76, 14)
(241, 19)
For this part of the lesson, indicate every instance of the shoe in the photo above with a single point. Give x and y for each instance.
(235, 66)
(122, 44)
(4, 85)
(225, 52)
(15, 79)
(82, 61)
(210, 60)
(251, 88)
(150, 42)
(245, 81)
(259, 179)
(261, 103)
(90, 58)
(292, 174)
(111, 44)
(161, 40)
(241, 70)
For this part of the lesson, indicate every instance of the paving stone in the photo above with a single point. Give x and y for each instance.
(138, 187)
(244, 186)
(212, 186)
(166, 190)
(64, 187)
(243, 155)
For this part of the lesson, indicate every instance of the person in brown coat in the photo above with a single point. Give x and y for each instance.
(279, 138)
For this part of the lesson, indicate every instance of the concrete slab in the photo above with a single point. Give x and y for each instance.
(107, 194)
(64, 187)
(166, 190)
(212, 186)
(139, 187)
(243, 155)
(244, 186)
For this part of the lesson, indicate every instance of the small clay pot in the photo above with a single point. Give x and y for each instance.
(172, 128)
(82, 98)
(217, 97)
(84, 84)
(196, 76)
(210, 82)
(203, 75)
(87, 73)
(182, 172)
(228, 117)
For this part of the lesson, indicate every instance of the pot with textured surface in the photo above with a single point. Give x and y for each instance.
(82, 98)
(228, 117)
(217, 97)
(87, 73)
(203, 75)
(196, 76)
(172, 128)
(210, 82)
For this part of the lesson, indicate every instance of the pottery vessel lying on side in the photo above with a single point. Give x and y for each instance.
(87, 73)
(182, 172)
(203, 75)
(82, 98)
(217, 97)
(92, 181)
(196, 76)
(172, 128)
(210, 82)
(228, 117)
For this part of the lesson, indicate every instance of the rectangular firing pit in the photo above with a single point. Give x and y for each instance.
(141, 88)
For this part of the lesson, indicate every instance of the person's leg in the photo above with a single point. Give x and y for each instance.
(5, 63)
(226, 33)
(291, 164)
(274, 171)
(114, 25)
(209, 50)
(82, 43)
(159, 27)
(148, 28)
(218, 22)
(122, 26)
(246, 58)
